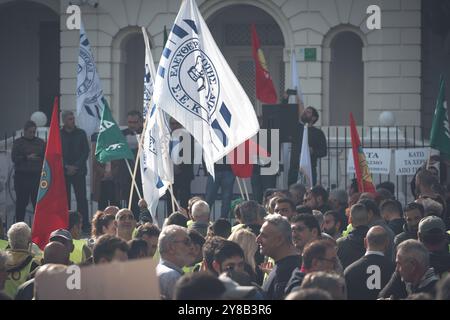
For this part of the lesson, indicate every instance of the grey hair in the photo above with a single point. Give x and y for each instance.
(66, 113)
(200, 208)
(282, 224)
(19, 236)
(3, 258)
(413, 249)
(168, 235)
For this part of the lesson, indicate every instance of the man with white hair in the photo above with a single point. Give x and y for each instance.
(200, 216)
(20, 261)
(413, 272)
(176, 251)
(275, 241)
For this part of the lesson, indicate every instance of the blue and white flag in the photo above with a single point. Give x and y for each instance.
(156, 165)
(304, 170)
(195, 85)
(295, 83)
(89, 89)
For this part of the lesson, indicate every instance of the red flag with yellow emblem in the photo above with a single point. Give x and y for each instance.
(363, 176)
(265, 91)
(51, 211)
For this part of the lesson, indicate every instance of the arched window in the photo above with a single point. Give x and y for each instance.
(230, 27)
(29, 61)
(346, 79)
(128, 72)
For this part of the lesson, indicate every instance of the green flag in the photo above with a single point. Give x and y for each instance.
(165, 36)
(440, 129)
(111, 144)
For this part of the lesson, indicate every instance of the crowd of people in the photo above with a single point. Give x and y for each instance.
(296, 244)
(299, 243)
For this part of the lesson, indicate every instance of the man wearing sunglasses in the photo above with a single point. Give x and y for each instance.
(176, 251)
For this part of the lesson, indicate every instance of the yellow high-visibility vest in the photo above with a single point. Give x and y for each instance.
(77, 254)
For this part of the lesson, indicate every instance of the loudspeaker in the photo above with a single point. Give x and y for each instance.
(283, 117)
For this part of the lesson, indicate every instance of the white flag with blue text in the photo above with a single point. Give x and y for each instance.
(156, 165)
(89, 89)
(195, 85)
(304, 170)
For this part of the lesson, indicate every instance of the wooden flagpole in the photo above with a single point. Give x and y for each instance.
(240, 188)
(245, 188)
(133, 182)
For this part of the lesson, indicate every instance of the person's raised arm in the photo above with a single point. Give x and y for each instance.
(301, 106)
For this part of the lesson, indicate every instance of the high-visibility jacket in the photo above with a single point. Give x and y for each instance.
(19, 264)
(3, 244)
(77, 256)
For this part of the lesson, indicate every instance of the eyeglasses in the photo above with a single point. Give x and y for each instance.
(186, 242)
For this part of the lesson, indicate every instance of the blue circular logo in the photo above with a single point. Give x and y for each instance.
(46, 180)
(193, 80)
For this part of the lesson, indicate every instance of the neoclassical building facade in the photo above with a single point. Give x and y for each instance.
(342, 65)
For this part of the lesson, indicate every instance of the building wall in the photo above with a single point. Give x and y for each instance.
(20, 60)
(392, 55)
(435, 56)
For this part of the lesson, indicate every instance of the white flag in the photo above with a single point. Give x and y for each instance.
(156, 165)
(304, 170)
(89, 89)
(295, 84)
(195, 85)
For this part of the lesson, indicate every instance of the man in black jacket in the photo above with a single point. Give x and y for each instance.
(316, 141)
(368, 275)
(391, 212)
(27, 154)
(433, 236)
(319, 255)
(376, 220)
(413, 272)
(75, 148)
(413, 213)
(351, 247)
(275, 241)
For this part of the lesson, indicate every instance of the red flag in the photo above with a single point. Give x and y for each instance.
(244, 169)
(363, 176)
(265, 91)
(51, 212)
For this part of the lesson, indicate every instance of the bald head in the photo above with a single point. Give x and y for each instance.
(377, 239)
(359, 215)
(56, 252)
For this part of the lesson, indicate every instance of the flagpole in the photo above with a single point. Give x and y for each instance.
(173, 197)
(240, 188)
(138, 155)
(245, 188)
(133, 183)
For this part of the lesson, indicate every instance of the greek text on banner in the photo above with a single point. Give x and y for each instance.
(378, 160)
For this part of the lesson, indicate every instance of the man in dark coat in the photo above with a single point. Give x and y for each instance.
(368, 275)
(351, 247)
